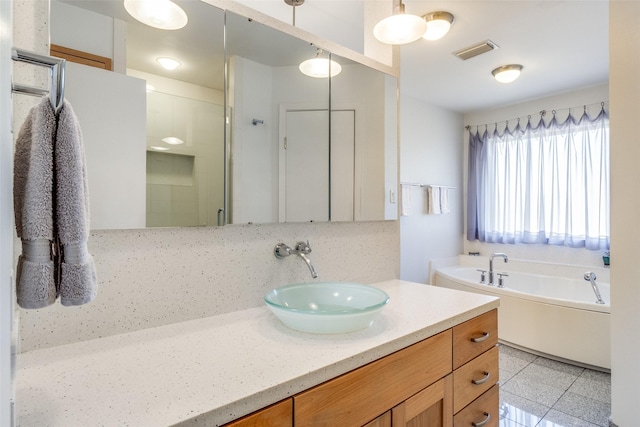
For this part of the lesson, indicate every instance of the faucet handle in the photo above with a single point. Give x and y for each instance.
(281, 251)
(303, 248)
(483, 275)
(501, 280)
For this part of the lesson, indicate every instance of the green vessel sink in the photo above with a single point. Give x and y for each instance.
(327, 307)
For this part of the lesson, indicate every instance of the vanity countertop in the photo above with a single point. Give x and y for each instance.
(213, 370)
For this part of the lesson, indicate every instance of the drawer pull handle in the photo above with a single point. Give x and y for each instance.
(483, 422)
(484, 337)
(483, 379)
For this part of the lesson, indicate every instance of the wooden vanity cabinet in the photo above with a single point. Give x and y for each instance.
(362, 395)
(447, 380)
(276, 415)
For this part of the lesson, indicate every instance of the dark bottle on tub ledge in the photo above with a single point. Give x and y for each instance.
(606, 258)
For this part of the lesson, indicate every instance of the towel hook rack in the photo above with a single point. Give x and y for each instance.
(56, 66)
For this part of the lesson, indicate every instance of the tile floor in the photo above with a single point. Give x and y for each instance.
(539, 392)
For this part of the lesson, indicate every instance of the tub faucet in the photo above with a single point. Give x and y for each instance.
(590, 276)
(497, 254)
(302, 249)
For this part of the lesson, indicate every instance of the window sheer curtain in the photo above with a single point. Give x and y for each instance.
(544, 184)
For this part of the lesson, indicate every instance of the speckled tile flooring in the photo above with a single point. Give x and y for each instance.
(538, 392)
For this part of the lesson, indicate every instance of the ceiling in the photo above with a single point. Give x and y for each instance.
(563, 45)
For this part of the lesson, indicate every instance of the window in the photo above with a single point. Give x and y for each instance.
(544, 184)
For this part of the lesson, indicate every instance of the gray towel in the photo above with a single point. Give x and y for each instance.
(33, 207)
(78, 284)
(49, 218)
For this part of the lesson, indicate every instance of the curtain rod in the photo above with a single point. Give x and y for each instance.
(541, 113)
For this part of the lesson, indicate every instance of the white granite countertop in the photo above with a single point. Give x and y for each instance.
(213, 370)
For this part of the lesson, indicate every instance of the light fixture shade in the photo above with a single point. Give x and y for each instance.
(320, 67)
(438, 25)
(400, 28)
(168, 63)
(507, 73)
(163, 14)
(173, 140)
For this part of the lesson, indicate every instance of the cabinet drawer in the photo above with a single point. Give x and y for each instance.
(359, 396)
(474, 336)
(474, 378)
(484, 408)
(277, 415)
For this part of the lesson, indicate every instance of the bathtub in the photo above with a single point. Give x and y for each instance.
(553, 316)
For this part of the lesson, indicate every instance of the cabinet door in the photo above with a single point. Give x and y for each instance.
(431, 407)
(383, 420)
(278, 415)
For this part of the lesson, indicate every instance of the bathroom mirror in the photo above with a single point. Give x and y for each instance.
(153, 137)
(279, 127)
(283, 163)
(294, 157)
(364, 142)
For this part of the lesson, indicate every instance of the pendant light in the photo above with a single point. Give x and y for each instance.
(163, 14)
(438, 25)
(400, 28)
(507, 73)
(320, 67)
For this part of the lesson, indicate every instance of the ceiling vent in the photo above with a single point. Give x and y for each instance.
(476, 49)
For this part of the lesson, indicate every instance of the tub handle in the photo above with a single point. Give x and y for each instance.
(484, 337)
(483, 379)
(487, 417)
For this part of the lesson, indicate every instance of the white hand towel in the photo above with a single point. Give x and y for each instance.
(444, 200)
(407, 199)
(433, 200)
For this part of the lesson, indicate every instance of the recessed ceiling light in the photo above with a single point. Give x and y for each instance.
(507, 73)
(155, 147)
(173, 140)
(168, 63)
(163, 14)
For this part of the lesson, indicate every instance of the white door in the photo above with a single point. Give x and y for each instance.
(306, 148)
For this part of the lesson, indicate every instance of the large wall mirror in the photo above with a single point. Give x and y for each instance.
(306, 148)
(154, 138)
(297, 148)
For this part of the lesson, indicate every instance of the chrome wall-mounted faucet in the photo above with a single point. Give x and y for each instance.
(590, 276)
(302, 249)
(497, 254)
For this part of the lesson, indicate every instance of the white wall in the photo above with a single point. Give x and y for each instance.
(624, 45)
(561, 103)
(430, 153)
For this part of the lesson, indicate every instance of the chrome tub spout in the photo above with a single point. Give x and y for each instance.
(499, 255)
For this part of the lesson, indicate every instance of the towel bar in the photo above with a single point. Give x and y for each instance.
(56, 66)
